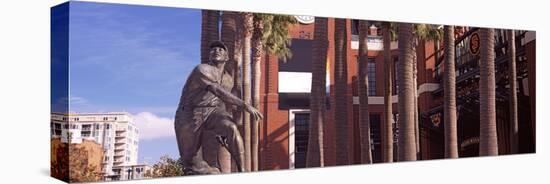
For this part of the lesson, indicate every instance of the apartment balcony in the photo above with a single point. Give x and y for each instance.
(119, 154)
(86, 128)
(121, 129)
(118, 161)
(120, 142)
(119, 148)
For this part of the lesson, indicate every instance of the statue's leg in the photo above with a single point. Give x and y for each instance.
(210, 148)
(224, 126)
(187, 143)
(189, 139)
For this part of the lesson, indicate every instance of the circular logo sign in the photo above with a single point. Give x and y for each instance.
(304, 19)
(474, 44)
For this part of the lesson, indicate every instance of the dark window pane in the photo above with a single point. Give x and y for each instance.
(371, 72)
(301, 137)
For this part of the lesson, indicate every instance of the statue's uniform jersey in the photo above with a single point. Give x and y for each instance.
(197, 104)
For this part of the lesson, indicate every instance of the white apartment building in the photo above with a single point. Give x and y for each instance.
(114, 131)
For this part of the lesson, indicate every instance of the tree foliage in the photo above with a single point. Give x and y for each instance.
(166, 167)
(276, 37)
(72, 163)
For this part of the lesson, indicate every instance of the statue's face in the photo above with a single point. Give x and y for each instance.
(218, 54)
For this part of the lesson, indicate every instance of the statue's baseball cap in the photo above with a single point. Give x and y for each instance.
(218, 43)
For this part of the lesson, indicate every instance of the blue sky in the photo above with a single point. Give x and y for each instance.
(134, 59)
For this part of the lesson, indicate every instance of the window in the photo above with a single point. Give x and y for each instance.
(86, 127)
(108, 126)
(371, 72)
(376, 138)
(301, 137)
(395, 76)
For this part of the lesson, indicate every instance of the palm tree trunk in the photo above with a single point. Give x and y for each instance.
(487, 130)
(366, 155)
(415, 94)
(449, 88)
(209, 33)
(513, 92)
(340, 80)
(247, 30)
(315, 152)
(228, 37)
(237, 72)
(256, 74)
(406, 143)
(387, 126)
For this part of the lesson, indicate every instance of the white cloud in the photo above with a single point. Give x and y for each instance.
(152, 126)
(77, 100)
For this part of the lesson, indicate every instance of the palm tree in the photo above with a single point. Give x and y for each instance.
(256, 76)
(425, 32)
(276, 36)
(487, 126)
(248, 28)
(513, 92)
(270, 34)
(237, 73)
(387, 127)
(237, 66)
(209, 33)
(406, 143)
(315, 152)
(228, 37)
(449, 104)
(340, 80)
(363, 86)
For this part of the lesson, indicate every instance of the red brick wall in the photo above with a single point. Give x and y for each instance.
(274, 135)
(274, 127)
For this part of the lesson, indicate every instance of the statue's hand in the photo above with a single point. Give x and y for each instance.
(254, 112)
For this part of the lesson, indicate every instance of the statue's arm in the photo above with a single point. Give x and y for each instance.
(227, 97)
(224, 95)
(206, 79)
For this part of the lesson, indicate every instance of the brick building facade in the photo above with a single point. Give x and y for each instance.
(285, 88)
